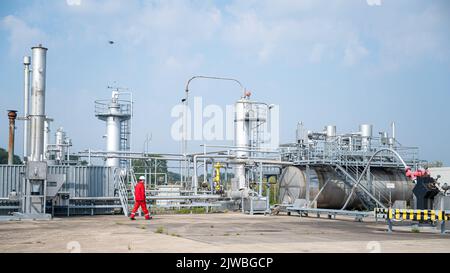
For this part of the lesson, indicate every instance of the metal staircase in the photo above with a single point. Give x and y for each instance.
(132, 178)
(350, 176)
(120, 186)
(366, 200)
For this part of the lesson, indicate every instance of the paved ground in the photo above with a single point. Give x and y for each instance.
(230, 232)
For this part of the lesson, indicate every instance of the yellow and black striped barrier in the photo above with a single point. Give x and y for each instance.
(412, 215)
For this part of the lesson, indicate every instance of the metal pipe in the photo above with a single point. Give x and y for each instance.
(393, 130)
(12, 115)
(250, 149)
(128, 152)
(38, 102)
(46, 136)
(26, 94)
(185, 100)
(114, 155)
(194, 176)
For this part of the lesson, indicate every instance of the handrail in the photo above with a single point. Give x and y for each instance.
(365, 170)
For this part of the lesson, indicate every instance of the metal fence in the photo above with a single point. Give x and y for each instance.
(81, 181)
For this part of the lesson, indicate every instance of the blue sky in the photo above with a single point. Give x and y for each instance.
(323, 62)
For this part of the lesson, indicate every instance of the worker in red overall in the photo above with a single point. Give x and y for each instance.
(139, 198)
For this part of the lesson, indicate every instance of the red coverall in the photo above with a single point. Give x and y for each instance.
(139, 198)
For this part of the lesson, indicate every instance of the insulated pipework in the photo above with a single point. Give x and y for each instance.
(46, 136)
(37, 117)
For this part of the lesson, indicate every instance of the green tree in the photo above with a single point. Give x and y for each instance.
(4, 157)
(141, 165)
(435, 164)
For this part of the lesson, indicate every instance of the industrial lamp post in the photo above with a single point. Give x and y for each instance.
(185, 101)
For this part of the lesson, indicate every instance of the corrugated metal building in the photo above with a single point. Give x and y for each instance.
(81, 181)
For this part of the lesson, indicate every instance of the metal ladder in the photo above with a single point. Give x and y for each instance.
(125, 133)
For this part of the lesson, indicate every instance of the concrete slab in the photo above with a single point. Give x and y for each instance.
(228, 232)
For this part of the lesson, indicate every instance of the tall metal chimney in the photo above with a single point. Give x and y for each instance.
(12, 115)
(26, 95)
(37, 116)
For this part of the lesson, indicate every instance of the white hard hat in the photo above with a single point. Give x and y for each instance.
(141, 177)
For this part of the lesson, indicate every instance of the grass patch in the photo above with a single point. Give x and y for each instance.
(175, 235)
(159, 230)
(415, 230)
(143, 227)
(226, 234)
(191, 210)
(200, 210)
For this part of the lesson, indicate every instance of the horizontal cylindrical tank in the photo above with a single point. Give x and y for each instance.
(293, 186)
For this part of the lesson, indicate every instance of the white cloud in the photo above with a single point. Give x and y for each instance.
(412, 37)
(303, 32)
(339, 31)
(354, 52)
(21, 35)
(317, 53)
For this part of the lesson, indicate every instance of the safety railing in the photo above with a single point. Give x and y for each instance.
(122, 190)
